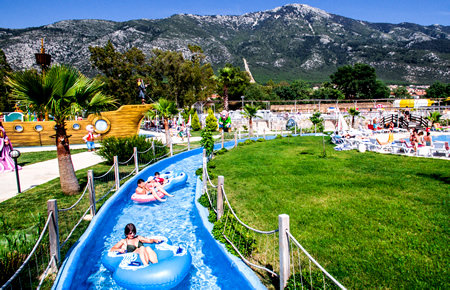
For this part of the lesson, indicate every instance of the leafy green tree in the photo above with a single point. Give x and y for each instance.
(284, 91)
(438, 90)
(401, 92)
(250, 113)
(57, 91)
(166, 109)
(358, 81)
(5, 105)
(211, 121)
(120, 71)
(353, 112)
(256, 92)
(328, 92)
(196, 125)
(316, 120)
(182, 81)
(301, 89)
(231, 83)
(207, 141)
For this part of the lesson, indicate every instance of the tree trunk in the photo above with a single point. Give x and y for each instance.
(250, 125)
(68, 179)
(166, 129)
(225, 98)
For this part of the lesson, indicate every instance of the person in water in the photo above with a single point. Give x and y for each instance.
(159, 179)
(150, 187)
(135, 244)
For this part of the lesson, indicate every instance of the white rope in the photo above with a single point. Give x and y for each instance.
(127, 175)
(78, 201)
(181, 150)
(144, 165)
(106, 194)
(311, 259)
(209, 179)
(73, 229)
(247, 261)
(145, 151)
(241, 222)
(52, 260)
(210, 202)
(31, 253)
(126, 162)
(98, 177)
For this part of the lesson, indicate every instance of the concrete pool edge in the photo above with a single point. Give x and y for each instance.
(203, 213)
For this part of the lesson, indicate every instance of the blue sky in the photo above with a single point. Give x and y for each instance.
(28, 13)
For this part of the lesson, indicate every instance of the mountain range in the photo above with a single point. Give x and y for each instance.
(291, 42)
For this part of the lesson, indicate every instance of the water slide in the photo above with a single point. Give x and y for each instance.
(180, 218)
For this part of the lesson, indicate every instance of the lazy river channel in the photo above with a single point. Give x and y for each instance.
(177, 219)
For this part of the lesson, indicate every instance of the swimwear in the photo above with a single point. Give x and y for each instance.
(132, 248)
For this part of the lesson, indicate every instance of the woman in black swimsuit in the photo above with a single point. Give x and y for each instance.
(135, 244)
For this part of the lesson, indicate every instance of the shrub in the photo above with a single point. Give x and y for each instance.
(221, 151)
(195, 122)
(207, 141)
(211, 121)
(123, 148)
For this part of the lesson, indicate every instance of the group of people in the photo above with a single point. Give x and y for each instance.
(420, 139)
(132, 242)
(152, 186)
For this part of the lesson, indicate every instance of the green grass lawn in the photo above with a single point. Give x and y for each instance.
(372, 220)
(28, 158)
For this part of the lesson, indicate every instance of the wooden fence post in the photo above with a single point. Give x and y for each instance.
(116, 173)
(205, 164)
(153, 148)
(264, 133)
(189, 138)
(220, 183)
(171, 149)
(136, 161)
(91, 188)
(283, 226)
(235, 139)
(53, 233)
(223, 138)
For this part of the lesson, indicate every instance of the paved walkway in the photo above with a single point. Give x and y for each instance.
(39, 173)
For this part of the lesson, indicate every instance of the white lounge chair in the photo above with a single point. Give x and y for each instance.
(440, 148)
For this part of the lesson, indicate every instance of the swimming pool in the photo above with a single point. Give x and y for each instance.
(444, 138)
(177, 219)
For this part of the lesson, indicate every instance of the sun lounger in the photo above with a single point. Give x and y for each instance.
(440, 148)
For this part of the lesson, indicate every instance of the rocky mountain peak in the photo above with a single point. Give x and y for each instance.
(288, 42)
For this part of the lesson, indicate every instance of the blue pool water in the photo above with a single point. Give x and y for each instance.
(176, 219)
(444, 138)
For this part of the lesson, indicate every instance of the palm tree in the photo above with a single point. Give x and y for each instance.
(57, 92)
(250, 113)
(165, 109)
(353, 112)
(434, 117)
(231, 81)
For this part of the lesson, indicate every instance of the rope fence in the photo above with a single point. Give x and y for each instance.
(306, 272)
(274, 255)
(36, 261)
(60, 230)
